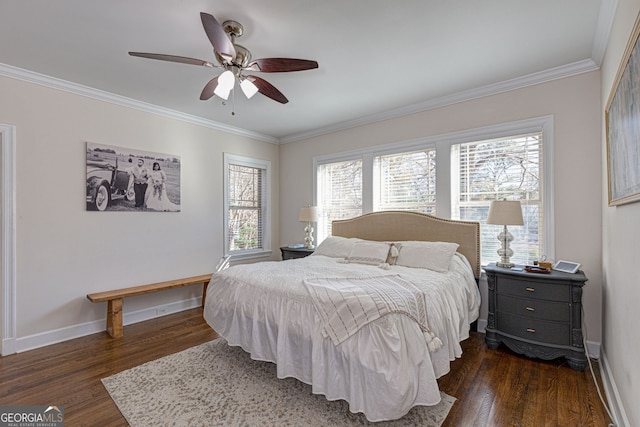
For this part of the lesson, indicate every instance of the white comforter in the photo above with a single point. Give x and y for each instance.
(384, 369)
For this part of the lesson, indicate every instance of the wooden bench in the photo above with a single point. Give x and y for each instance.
(114, 298)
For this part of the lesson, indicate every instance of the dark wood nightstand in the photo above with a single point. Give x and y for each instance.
(293, 253)
(538, 315)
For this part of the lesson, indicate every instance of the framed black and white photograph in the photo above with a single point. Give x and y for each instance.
(623, 127)
(123, 179)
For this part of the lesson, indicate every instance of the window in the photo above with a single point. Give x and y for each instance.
(246, 205)
(504, 168)
(405, 181)
(508, 161)
(340, 189)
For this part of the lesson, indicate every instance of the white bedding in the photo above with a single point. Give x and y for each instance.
(384, 369)
(347, 304)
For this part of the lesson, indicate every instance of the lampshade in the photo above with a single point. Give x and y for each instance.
(308, 214)
(505, 212)
(249, 88)
(226, 81)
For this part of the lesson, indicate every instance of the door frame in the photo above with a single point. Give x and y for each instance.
(8, 240)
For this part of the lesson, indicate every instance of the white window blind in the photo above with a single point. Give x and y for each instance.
(246, 205)
(506, 168)
(339, 193)
(405, 181)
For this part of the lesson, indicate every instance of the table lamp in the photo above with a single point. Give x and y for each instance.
(308, 214)
(505, 212)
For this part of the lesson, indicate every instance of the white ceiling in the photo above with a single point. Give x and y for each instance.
(376, 58)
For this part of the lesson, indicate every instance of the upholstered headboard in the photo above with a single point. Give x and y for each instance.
(403, 225)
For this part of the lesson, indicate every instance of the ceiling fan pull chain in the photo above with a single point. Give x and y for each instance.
(233, 103)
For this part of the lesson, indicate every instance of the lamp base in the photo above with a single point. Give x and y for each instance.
(505, 251)
(505, 264)
(308, 236)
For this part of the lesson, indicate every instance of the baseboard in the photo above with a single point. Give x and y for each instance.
(482, 325)
(613, 395)
(76, 331)
(8, 346)
(593, 349)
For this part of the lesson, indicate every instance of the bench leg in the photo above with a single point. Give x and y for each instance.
(205, 285)
(114, 318)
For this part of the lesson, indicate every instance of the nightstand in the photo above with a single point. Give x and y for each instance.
(538, 315)
(293, 253)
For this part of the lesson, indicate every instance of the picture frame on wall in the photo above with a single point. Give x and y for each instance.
(622, 117)
(123, 179)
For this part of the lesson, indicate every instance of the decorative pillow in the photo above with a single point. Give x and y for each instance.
(335, 247)
(368, 252)
(434, 256)
(393, 252)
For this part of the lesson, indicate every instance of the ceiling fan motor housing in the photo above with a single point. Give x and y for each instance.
(243, 57)
(235, 29)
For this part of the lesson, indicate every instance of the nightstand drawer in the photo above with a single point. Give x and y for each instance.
(519, 287)
(294, 253)
(534, 329)
(535, 308)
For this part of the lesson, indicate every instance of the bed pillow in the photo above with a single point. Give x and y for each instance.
(434, 256)
(368, 252)
(335, 247)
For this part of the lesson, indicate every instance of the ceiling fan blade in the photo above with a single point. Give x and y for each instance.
(207, 92)
(268, 90)
(218, 37)
(174, 58)
(281, 65)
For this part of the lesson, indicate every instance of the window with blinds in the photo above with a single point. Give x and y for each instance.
(246, 203)
(339, 193)
(506, 168)
(405, 181)
(473, 167)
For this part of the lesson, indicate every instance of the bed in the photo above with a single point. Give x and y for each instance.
(389, 362)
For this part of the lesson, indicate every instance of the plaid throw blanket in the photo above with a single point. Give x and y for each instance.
(347, 304)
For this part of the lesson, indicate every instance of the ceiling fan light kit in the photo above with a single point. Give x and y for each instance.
(248, 88)
(226, 81)
(235, 59)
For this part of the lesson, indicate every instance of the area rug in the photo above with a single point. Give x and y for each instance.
(216, 385)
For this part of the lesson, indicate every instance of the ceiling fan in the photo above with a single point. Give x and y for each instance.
(236, 61)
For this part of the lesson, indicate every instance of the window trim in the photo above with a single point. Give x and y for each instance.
(234, 159)
(443, 144)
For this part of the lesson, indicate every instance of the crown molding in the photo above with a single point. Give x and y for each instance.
(569, 70)
(603, 30)
(77, 89)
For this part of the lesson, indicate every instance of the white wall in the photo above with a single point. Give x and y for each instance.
(65, 252)
(621, 252)
(575, 105)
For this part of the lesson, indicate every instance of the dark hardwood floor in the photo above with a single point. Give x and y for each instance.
(501, 388)
(493, 387)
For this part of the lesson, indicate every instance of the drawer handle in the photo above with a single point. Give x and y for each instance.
(531, 289)
(531, 309)
(533, 331)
